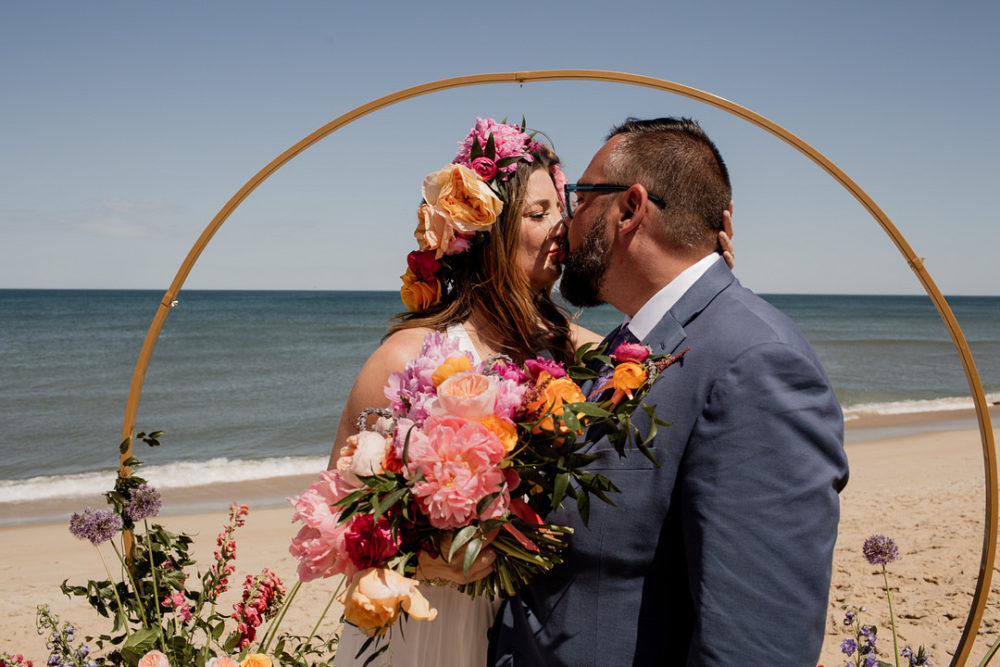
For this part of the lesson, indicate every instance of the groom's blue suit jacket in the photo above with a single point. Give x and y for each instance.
(722, 554)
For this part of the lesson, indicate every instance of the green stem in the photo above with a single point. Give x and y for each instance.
(156, 593)
(114, 589)
(892, 617)
(135, 589)
(272, 630)
(989, 654)
(302, 647)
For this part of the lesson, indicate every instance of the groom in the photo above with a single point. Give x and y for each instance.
(721, 555)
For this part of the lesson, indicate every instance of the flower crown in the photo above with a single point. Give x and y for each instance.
(462, 202)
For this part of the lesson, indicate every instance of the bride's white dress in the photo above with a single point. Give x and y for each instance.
(455, 638)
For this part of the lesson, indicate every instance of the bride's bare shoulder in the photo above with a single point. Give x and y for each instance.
(400, 347)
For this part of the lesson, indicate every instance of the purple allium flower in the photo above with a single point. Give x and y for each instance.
(880, 550)
(848, 647)
(95, 525)
(144, 502)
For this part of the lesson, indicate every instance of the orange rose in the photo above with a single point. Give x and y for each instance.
(434, 230)
(154, 659)
(628, 376)
(463, 197)
(450, 366)
(467, 395)
(256, 660)
(222, 661)
(550, 399)
(503, 429)
(418, 295)
(375, 597)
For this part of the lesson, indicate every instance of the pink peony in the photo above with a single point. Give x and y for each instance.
(459, 461)
(510, 396)
(321, 553)
(509, 140)
(636, 352)
(536, 366)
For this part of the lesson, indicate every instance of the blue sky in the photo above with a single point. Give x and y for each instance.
(128, 125)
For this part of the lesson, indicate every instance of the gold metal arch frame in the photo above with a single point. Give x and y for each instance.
(982, 411)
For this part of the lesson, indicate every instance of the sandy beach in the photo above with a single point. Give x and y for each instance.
(924, 488)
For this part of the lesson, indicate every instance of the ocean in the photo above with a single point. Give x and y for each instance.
(250, 384)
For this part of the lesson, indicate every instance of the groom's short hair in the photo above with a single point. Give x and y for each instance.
(674, 159)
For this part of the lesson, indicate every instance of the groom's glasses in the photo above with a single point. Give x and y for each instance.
(600, 188)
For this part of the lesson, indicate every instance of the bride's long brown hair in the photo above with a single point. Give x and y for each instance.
(488, 283)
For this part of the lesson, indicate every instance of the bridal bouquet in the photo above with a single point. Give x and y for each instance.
(465, 460)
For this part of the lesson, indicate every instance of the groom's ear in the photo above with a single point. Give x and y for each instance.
(727, 220)
(632, 208)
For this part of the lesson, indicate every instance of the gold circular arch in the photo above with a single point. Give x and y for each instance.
(982, 411)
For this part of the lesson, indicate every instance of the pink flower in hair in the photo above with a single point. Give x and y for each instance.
(509, 141)
(559, 179)
(484, 167)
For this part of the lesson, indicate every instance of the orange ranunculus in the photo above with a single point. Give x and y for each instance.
(551, 396)
(419, 295)
(376, 596)
(462, 196)
(256, 660)
(503, 429)
(450, 366)
(628, 376)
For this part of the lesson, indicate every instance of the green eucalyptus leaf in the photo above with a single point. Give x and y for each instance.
(472, 550)
(460, 539)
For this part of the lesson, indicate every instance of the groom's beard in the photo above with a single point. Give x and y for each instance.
(583, 270)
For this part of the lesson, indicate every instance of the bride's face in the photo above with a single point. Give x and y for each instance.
(540, 253)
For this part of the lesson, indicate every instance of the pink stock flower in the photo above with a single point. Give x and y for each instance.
(409, 390)
(458, 460)
(536, 366)
(636, 352)
(484, 167)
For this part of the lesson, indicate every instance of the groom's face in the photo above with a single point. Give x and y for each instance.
(589, 252)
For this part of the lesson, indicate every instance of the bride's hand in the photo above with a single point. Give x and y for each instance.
(726, 248)
(431, 567)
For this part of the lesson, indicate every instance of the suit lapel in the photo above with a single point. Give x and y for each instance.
(668, 334)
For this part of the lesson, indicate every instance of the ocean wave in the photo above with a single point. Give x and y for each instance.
(181, 474)
(859, 410)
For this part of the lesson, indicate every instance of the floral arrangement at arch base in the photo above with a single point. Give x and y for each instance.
(161, 611)
(464, 464)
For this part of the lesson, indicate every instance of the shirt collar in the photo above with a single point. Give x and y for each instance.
(660, 303)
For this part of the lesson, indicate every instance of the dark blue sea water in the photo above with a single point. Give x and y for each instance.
(251, 384)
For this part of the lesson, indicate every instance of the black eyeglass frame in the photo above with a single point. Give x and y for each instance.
(600, 188)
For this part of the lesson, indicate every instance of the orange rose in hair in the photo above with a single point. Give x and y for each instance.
(417, 294)
(463, 197)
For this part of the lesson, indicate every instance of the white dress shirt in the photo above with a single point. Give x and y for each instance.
(657, 306)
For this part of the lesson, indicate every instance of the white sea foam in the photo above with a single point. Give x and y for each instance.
(859, 410)
(170, 476)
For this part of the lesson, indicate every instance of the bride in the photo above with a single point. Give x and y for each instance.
(494, 297)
